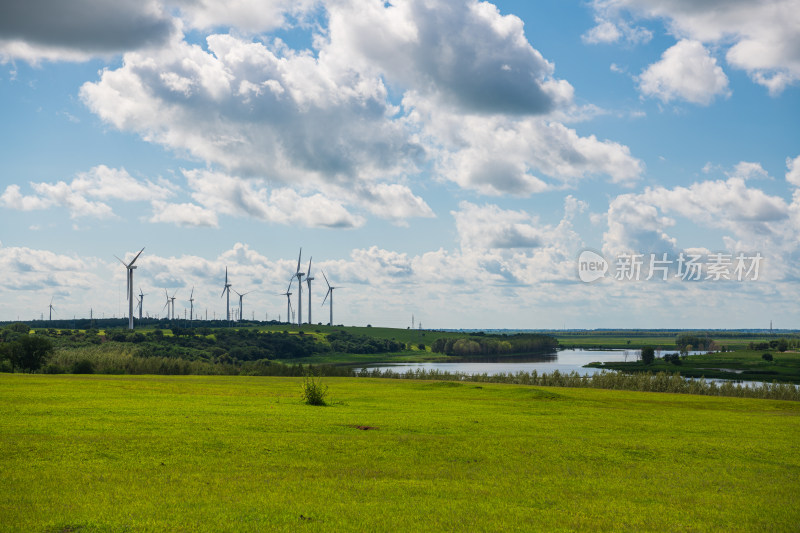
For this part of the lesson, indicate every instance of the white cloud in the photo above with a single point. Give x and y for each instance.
(520, 156)
(686, 71)
(186, 215)
(101, 182)
(234, 196)
(762, 38)
(793, 171)
(607, 31)
(750, 219)
(245, 15)
(483, 61)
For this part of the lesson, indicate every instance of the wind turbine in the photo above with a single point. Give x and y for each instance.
(299, 275)
(141, 302)
(309, 279)
(227, 289)
(130, 268)
(288, 301)
(166, 305)
(172, 298)
(191, 305)
(51, 308)
(330, 292)
(240, 301)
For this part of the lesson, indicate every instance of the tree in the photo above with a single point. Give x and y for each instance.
(29, 352)
(648, 355)
(783, 345)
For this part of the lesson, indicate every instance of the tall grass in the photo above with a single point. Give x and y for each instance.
(113, 360)
(645, 382)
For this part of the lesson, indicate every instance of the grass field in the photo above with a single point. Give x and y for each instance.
(144, 453)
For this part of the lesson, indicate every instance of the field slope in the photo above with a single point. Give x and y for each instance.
(144, 453)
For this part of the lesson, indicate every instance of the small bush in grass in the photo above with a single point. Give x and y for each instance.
(767, 357)
(84, 366)
(314, 391)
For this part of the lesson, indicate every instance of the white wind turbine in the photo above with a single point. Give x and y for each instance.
(241, 295)
(330, 292)
(141, 302)
(299, 275)
(130, 267)
(166, 305)
(288, 301)
(227, 289)
(191, 305)
(309, 279)
(172, 299)
(51, 308)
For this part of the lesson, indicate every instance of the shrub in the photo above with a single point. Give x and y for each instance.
(314, 391)
(767, 356)
(84, 366)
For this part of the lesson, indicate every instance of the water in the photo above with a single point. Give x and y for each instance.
(565, 361)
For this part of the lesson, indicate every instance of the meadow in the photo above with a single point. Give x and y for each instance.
(235, 453)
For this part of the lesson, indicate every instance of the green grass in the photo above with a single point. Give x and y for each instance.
(750, 366)
(134, 453)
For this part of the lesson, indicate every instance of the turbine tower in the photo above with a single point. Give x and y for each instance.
(141, 302)
(241, 295)
(330, 292)
(227, 289)
(130, 267)
(51, 308)
(309, 279)
(288, 302)
(191, 305)
(172, 299)
(299, 275)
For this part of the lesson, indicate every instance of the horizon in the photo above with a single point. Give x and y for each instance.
(514, 165)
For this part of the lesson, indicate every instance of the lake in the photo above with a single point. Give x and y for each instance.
(565, 361)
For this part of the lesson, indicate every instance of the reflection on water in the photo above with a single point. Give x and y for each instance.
(563, 361)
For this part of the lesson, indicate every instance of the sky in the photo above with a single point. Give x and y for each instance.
(539, 165)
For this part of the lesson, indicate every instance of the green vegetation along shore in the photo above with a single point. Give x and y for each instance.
(145, 453)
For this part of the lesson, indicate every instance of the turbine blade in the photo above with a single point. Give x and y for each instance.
(298, 261)
(121, 261)
(326, 279)
(135, 258)
(326, 296)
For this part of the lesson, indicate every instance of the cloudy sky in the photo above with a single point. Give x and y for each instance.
(449, 159)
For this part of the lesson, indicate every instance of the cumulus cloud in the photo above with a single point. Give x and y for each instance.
(483, 60)
(278, 114)
(33, 269)
(761, 38)
(751, 219)
(520, 156)
(101, 182)
(234, 196)
(687, 72)
(186, 215)
(324, 120)
(793, 171)
(77, 30)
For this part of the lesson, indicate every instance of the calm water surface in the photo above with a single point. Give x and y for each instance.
(563, 361)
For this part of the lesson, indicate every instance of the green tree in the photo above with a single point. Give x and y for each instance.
(648, 355)
(783, 345)
(29, 352)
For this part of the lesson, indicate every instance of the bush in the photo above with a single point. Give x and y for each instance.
(648, 355)
(314, 391)
(767, 357)
(84, 366)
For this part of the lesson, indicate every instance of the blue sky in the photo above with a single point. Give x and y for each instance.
(450, 159)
